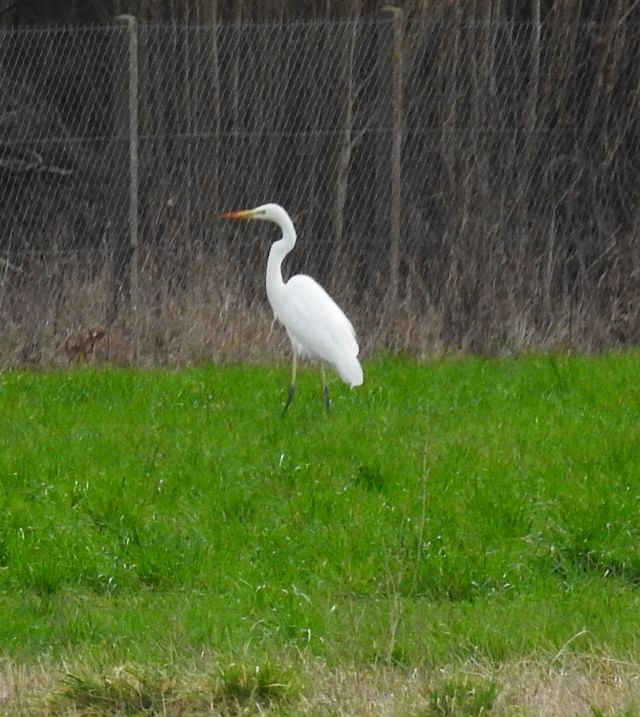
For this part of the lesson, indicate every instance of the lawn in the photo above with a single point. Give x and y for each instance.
(168, 530)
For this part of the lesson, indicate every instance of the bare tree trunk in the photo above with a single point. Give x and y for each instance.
(534, 80)
(344, 159)
(396, 158)
(217, 105)
(133, 184)
(383, 123)
(124, 278)
(235, 84)
(601, 51)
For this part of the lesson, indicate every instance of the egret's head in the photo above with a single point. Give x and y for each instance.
(266, 212)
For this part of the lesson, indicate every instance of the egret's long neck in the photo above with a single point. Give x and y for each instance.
(279, 250)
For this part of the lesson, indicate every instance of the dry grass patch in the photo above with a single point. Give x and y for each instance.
(586, 686)
(581, 686)
(24, 688)
(576, 686)
(204, 307)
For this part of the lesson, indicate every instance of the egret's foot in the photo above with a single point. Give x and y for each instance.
(327, 400)
(290, 394)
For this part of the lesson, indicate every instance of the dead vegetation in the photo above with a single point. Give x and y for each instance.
(213, 316)
(574, 685)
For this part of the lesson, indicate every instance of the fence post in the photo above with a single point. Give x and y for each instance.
(126, 279)
(396, 153)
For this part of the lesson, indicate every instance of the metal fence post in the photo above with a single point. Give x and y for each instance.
(126, 279)
(396, 153)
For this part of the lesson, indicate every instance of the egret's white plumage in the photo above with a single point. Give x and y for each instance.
(316, 325)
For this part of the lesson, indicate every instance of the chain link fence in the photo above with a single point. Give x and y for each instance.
(456, 186)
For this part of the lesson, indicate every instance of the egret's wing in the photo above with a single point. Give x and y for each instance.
(316, 322)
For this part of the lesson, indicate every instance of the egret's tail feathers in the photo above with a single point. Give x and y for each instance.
(350, 371)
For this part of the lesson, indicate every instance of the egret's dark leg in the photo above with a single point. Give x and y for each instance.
(325, 390)
(292, 387)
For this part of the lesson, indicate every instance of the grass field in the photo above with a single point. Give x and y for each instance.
(457, 538)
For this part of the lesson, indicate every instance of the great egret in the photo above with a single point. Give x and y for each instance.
(316, 325)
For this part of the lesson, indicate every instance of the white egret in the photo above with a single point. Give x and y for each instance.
(316, 325)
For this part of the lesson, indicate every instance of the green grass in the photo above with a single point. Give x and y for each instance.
(463, 509)
(135, 689)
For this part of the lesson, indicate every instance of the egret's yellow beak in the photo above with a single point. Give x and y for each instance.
(244, 214)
